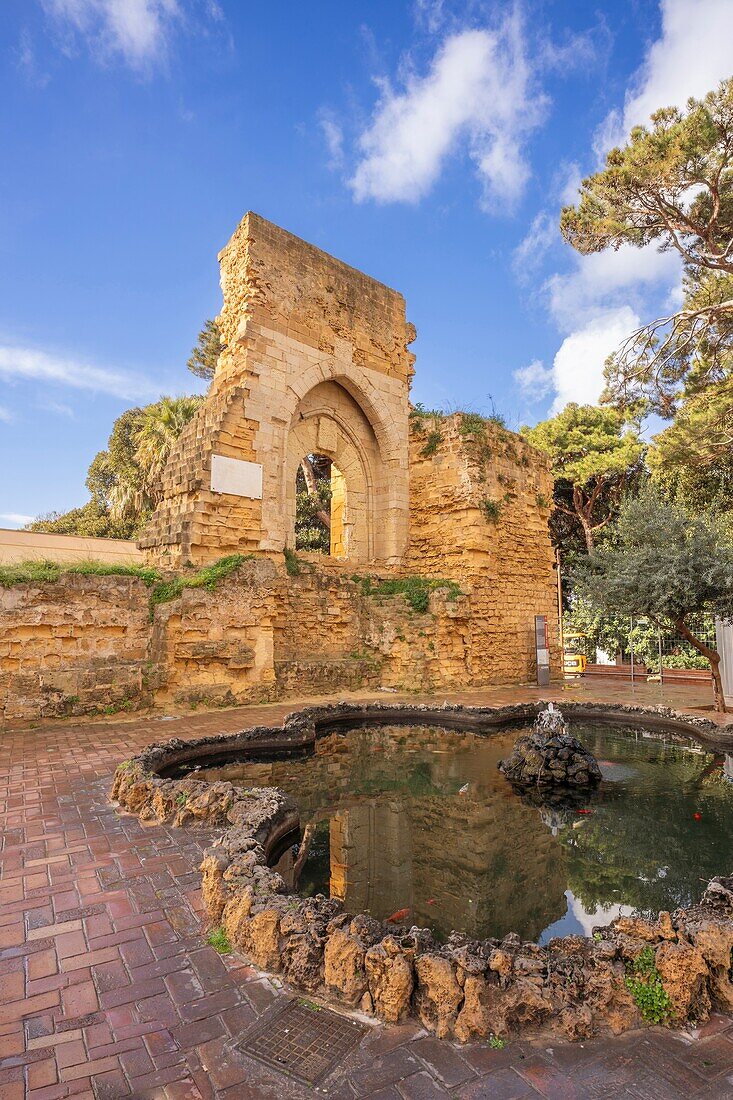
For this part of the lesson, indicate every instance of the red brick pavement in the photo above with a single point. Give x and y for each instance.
(108, 988)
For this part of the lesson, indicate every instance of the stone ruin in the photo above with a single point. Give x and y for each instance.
(315, 360)
(550, 756)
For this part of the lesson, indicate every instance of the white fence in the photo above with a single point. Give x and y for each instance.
(724, 634)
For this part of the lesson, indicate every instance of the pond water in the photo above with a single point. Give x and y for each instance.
(416, 823)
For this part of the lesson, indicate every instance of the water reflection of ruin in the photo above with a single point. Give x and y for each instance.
(399, 835)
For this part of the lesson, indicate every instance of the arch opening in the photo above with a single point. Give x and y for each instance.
(321, 507)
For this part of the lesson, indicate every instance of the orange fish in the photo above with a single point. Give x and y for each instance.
(585, 811)
(697, 816)
(431, 901)
(398, 916)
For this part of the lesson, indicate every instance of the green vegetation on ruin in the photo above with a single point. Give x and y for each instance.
(644, 982)
(490, 509)
(416, 590)
(47, 572)
(163, 590)
(293, 564)
(207, 578)
(433, 440)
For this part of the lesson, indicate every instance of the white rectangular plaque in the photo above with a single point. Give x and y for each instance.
(236, 477)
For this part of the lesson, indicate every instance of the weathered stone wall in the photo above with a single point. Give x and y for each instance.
(480, 498)
(89, 644)
(315, 358)
(326, 628)
(69, 646)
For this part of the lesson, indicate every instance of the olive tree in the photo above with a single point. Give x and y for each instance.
(667, 565)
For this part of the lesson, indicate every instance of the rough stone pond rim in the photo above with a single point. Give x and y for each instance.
(464, 989)
(301, 728)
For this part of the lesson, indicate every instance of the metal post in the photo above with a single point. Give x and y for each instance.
(631, 647)
(661, 670)
(559, 613)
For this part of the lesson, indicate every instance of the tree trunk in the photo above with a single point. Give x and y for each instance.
(712, 655)
(311, 484)
(583, 510)
(588, 532)
(305, 846)
(718, 684)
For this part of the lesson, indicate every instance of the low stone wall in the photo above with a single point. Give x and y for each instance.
(460, 989)
(74, 646)
(89, 644)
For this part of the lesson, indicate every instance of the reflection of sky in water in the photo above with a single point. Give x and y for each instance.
(616, 773)
(578, 922)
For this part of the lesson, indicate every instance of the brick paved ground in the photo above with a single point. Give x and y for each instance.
(108, 989)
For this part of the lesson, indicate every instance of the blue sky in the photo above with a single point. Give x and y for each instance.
(429, 143)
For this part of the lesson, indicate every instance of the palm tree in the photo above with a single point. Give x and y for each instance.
(160, 426)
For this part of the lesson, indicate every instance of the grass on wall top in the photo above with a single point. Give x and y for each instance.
(43, 571)
(162, 590)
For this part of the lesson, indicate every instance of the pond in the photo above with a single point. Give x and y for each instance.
(417, 824)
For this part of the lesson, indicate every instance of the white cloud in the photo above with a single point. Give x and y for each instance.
(5, 414)
(578, 51)
(479, 94)
(531, 250)
(608, 279)
(137, 30)
(430, 14)
(27, 63)
(690, 58)
(577, 371)
(570, 180)
(58, 407)
(676, 297)
(15, 519)
(535, 380)
(28, 363)
(333, 135)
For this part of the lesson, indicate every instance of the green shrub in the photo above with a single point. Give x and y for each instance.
(490, 509)
(416, 590)
(208, 578)
(683, 660)
(471, 424)
(293, 564)
(419, 415)
(644, 982)
(432, 442)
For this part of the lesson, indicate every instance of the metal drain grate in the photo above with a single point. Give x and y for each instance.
(303, 1040)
